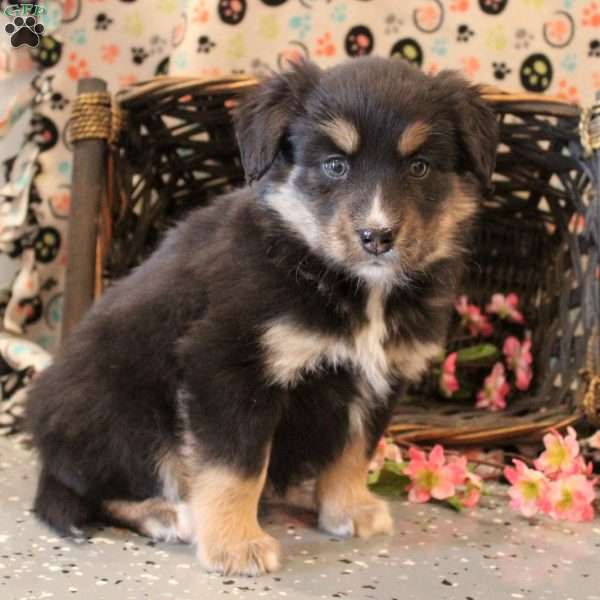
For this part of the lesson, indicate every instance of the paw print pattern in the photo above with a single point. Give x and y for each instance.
(536, 73)
(325, 45)
(78, 67)
(567, 92)
(359, 41)
(301, 24)
(43, 132)
(500, 70)
(231, 11)
(591, 15)
(408, 49)
(492, 7)
(464, 33)
(393, 23)
(205, 44)
(58, 101)
(339, 13)
(569, 62)
(24, 32)
(30, 310)
(48, 52)
(594, 48)
(103, 22)
(157, 44)
(522, 39)
(138, 55)
(440, 46)
(46, 244)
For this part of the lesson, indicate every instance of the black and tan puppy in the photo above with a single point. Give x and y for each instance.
(268, 337)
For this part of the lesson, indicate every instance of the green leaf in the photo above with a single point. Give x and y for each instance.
(455, 503)
(390, 482)
(482, 353)
(394, 467)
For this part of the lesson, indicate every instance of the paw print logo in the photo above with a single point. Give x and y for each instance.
(359, 41)
(594, 48)
(464, 33)
(24, 32)
(500, 70)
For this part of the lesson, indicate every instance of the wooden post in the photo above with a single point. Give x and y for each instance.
(89, 167)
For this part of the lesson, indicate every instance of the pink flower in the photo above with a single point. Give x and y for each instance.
(448, 381)
(506, 307)
(432, 477)
(472, 493)
(518, 359)
(529, 488)
(495, 389)
(385, 450)
(561, 454)
(571, 498)
(472, 318)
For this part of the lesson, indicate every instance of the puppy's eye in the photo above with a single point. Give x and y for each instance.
(418, 168)
(336, 167)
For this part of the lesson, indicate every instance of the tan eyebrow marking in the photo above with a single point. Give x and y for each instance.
(343, 134)
(413, 136)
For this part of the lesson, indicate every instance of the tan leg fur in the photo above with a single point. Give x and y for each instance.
(346, 506)
(224, 508)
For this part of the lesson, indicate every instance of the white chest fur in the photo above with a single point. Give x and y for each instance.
(293, 352)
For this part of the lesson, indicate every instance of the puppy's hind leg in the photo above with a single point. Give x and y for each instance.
(156, 518)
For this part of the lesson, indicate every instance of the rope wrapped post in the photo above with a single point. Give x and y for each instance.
(90, 129)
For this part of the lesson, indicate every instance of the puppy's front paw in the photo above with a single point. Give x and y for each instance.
(252, 557)
(369, 517)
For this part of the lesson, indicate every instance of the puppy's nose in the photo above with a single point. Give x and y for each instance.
(376, 241)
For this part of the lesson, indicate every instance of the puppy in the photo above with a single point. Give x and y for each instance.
(270, 335)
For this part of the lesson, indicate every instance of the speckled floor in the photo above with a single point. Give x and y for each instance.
(436, 554)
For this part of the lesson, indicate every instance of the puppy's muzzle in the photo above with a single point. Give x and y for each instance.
(376, 241)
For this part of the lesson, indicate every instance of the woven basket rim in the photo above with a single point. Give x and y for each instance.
(165, 85)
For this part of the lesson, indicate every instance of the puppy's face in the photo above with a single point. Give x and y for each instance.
(377, 167)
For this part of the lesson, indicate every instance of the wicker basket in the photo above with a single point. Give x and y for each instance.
(178, 151)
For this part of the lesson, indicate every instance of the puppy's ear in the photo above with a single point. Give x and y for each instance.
(262, 119)
(477, 126)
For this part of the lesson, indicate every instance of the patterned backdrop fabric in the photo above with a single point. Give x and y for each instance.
(548, 46)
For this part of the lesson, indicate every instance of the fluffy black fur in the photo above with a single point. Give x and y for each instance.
(185, 327)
